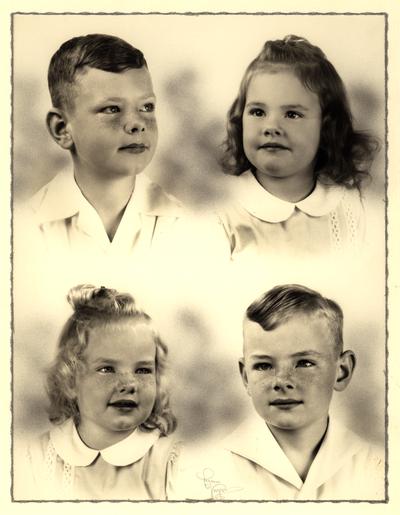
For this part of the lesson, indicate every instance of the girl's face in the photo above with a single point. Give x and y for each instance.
(117, 389)
(281, 125)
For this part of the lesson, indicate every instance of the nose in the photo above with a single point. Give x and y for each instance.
(272, 126)
(283, 381)
(133, 125)
(127, 385)
(272, 131)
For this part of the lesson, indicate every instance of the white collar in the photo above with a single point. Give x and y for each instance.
(72, 450)
(254, 441)
(61, 198)
(265, 206)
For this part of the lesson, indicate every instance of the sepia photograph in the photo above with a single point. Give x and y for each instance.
(199, 213)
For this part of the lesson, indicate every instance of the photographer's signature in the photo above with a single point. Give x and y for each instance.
(218, 490)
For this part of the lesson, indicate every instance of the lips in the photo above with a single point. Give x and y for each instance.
(134, 148)
(273, 146)
(123, 404)
(282, 403)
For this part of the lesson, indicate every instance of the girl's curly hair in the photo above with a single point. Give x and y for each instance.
(344, 155)
(99, 307)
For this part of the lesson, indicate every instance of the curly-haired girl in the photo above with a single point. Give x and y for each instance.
(300, 162)
(109, 405)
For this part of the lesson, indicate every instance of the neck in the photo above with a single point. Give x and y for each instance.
(99, 440)
(109, 197)
(292, 189)
(301, 445)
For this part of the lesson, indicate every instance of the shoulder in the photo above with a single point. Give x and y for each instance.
(36, 201)
(37, 446)
(362, 451)
(167, 449)
(29, 466)
(335, 195)
(155, 200)
(371, 455)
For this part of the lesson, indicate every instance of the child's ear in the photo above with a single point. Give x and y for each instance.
(243, 374)
(346, 365)
(57, 125)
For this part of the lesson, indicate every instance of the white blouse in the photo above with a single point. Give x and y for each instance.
(59, 466)
(330, 219)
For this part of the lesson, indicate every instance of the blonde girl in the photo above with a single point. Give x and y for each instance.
(109, 406)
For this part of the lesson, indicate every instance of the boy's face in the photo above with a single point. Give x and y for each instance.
(117, 390)
(291, 371)
(112, 123)
(281, 125)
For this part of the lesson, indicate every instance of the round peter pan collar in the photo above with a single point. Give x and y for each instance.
(74, 451)
(265, 206)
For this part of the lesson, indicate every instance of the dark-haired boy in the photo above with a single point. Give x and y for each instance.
(104, 114)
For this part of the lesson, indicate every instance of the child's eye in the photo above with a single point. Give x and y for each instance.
(107, 369)
(111, 109)
(144, 370)
(262, 366)
(256, 111)
(148, 108)
(293, 115)
(304, 363)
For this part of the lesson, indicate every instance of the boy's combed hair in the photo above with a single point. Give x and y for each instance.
(281, 303)
(99, 307)
(101, 51)
(344, 155)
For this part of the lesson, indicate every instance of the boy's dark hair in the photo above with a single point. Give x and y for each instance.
(100, 51)
(281, 303)
(344, 155)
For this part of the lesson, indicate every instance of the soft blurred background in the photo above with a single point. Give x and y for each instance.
(197, 63)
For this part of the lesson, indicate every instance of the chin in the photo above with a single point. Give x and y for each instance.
(286, 425)
(125, 425)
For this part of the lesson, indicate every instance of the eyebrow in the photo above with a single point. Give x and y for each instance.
(145, 363)
(295, 355)
(285, 106)
(116, 363)
(307, 353)
(150, 96)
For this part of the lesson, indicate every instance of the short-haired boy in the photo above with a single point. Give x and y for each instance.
(104, 114)
(291, 448)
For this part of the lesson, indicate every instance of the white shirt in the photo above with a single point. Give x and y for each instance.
(250, 464)
(58, 465)
(67, 221)
(330, 219)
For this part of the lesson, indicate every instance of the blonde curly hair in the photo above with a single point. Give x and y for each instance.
(97, 307)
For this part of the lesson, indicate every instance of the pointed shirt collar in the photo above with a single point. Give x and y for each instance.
(62, 198)
(72, 450)
(265, 206)
(254, 441)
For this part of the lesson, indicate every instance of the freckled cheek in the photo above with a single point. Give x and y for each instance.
(112, 123)
(260, 384)
(301, 380)
(151, 124)
(146, 381)
(147, 388)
